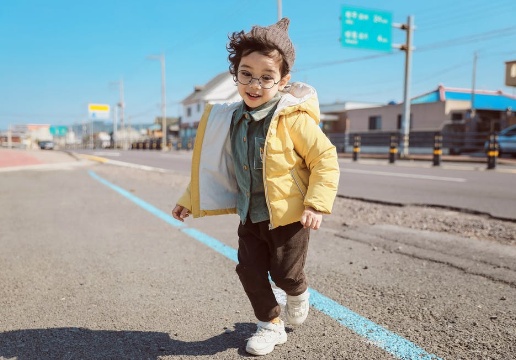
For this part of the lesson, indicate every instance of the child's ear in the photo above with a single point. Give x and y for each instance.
(283, 82)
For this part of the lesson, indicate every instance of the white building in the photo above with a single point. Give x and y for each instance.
(219, 90)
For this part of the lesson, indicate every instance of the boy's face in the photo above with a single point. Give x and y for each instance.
(262, 67)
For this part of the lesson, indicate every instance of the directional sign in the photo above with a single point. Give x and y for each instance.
(366, 29)
(58, 130)
(98, 111)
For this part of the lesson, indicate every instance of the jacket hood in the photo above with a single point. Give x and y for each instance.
(299, 97)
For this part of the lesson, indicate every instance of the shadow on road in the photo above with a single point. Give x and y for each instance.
(81, 343)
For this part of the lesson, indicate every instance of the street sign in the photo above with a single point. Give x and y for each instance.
(510, 73)
(98, 111)
(366, 29)
(58, 130)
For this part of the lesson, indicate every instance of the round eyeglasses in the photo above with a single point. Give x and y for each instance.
(244, 77)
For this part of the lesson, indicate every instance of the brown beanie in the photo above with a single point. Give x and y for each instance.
(277, 34)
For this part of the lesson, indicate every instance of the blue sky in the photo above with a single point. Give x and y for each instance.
(58, 55)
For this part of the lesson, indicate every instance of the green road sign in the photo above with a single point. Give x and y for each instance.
(366, 29)
(58, 130)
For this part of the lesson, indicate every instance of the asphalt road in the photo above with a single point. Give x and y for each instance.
(92, 268)
(455, 185)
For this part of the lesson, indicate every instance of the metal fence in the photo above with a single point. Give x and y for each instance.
(422, 142)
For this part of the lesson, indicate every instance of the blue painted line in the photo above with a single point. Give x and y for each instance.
(377, 335)
(213, 243)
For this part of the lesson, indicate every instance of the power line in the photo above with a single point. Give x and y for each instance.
(461, 16)
(470, 38)
(337, 62)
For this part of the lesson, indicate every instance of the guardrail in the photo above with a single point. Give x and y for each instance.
(421, 142)
(431, 143)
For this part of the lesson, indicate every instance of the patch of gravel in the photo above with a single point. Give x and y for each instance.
(351, 213)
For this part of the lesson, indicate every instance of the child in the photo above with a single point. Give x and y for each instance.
(266, 159)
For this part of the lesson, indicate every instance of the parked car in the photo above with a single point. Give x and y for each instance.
(46, 145)
(506, 141)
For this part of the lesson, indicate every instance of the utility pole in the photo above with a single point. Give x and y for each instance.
(115, 124)
(279, 10)
(91, 133)
(164, 131)
(473, 86)
(9, 137)
(121, 104)
(405, 123)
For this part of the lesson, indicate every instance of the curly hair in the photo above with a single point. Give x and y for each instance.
(241, 44)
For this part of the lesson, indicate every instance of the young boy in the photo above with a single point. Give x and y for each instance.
(266, 159)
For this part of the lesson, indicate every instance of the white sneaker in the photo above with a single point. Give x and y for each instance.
(297, 308)
(266, 337)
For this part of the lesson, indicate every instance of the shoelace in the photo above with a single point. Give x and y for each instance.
(261, 331)
(295, 306)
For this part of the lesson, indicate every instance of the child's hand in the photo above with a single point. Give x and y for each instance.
(180, 213)
(311, 218)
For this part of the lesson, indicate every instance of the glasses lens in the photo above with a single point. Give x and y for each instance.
(244, 77)
(267, 82)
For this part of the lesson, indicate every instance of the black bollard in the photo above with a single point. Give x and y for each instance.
(356, 147)
(393, 149)
(438, 149)
(492, 151)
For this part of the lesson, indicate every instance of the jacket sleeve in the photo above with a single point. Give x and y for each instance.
(186, 199)
(320, 156)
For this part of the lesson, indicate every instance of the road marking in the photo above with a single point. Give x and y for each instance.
(106, 153)
(377, 335)
(404, 175)
(44, 167)
(121, 163)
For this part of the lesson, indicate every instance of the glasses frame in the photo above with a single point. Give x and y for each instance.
(253, 78)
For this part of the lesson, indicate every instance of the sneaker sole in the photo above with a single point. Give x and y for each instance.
(267, 350)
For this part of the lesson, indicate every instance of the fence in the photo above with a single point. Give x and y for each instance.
(420, 142)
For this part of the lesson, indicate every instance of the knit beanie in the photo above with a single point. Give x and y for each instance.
(277, 34)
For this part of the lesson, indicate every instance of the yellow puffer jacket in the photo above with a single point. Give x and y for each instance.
(300, 163)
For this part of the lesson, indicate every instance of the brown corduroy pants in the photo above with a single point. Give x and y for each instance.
(280, 252)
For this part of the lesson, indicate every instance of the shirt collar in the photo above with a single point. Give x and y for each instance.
(258, 113)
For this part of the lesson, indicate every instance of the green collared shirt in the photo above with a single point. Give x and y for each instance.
(248, 132)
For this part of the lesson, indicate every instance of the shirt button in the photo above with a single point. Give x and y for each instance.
(245, 167)
(245, 139)
(246, 116)
(247, 193)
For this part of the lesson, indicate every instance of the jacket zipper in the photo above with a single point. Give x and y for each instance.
(271, 226)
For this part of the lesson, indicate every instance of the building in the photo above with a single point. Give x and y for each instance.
(445, 110)
(219, 90)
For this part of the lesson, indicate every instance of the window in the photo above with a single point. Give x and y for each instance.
(189, 111)
(456, 117)
(198, 107)
(400, 117)
(375, 122)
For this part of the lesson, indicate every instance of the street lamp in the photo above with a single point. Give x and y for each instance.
(161, 58)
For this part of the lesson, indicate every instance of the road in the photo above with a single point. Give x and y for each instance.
(93, 267)
(454, 185)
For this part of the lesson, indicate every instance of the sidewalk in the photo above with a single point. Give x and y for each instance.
(18, 157)
(476, 158)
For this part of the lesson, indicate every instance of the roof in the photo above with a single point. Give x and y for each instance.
(339, 107)
(220, 88)
(484, 99)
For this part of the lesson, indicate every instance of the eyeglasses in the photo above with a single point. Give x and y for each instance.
(244, 77)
